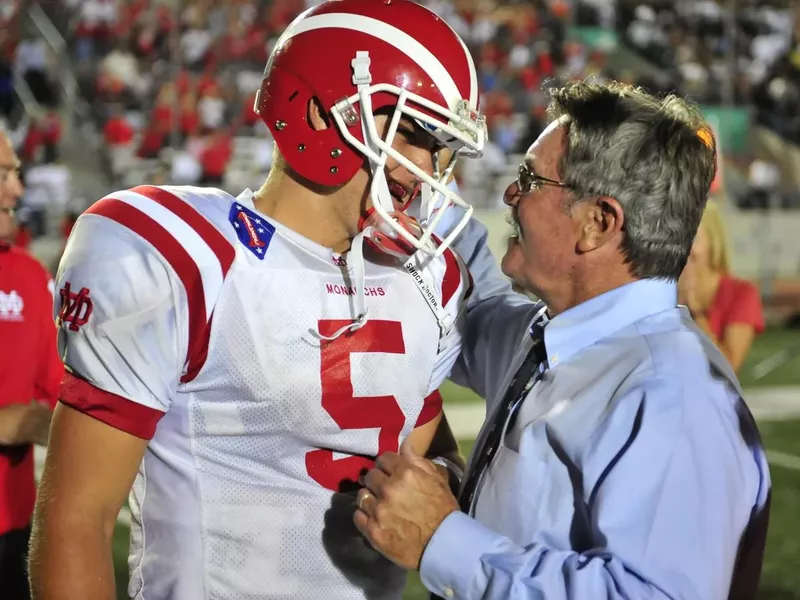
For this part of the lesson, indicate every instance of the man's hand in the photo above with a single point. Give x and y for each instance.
(405, 500)
(36, 426)
(25, 424)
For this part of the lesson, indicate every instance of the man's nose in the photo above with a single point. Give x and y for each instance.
(12, 188)
(511, 195)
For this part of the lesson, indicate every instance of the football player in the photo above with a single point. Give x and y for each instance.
(236, 363)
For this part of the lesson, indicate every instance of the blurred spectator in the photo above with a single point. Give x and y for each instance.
(764, 177)
(223, 47)
(748, 57)
(95, 27)
(7, 94)
(211, 109)
(215, 157)
(32, 63)
(728, 309)
(48, 187)
(32, 372)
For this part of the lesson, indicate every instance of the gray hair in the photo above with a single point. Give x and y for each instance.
(656, 157)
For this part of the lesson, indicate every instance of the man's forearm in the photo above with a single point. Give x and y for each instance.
(21, 425)
(36, 429)
(71, 560)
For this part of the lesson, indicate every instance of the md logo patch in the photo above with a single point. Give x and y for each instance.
(253, 231)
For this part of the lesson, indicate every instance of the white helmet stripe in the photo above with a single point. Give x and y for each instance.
(473, 78)
(397, 38)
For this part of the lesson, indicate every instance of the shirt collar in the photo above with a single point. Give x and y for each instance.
(581, 326)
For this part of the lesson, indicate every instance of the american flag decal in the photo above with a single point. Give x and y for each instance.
(254, 231)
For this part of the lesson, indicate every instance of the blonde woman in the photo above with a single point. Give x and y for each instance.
(727, 308)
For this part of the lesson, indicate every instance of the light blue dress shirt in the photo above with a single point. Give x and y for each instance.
(632, 468)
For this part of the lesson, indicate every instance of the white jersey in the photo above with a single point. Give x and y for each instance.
(191, 320)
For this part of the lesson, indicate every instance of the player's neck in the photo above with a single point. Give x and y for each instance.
(303, 211)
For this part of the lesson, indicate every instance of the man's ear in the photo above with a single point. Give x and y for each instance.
(317, 118)
(601, 220)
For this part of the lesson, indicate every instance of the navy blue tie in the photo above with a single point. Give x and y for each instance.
(529, 372)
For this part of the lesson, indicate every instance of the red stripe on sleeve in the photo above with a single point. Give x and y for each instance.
(452, 276)
(219, 245)
(223, 249)
(431, 408)
(116, 411)
(173, 252)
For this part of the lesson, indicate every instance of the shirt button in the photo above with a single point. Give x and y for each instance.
(448, 592)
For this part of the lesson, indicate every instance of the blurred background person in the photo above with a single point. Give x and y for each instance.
(29, 381)
(727, 308)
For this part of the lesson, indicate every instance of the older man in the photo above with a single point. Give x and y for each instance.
(29, 380)
(618, 459)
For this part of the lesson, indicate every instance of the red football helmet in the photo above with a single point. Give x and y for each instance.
(357, 57)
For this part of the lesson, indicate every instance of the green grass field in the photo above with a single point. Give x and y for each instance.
(781, 575)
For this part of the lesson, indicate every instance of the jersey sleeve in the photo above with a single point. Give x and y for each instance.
(456, 288)
(121, 315)
(136, 290)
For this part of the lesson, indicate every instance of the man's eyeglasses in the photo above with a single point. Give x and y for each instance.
(528, 181)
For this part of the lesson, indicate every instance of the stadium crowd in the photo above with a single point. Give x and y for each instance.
(143, 103)
(169, 92)
(750, 57)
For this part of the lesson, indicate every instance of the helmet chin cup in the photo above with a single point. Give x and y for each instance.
(381, 235)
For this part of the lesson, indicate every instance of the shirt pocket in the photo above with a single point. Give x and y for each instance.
(511, 494)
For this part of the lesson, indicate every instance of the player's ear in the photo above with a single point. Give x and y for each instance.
(316, 115)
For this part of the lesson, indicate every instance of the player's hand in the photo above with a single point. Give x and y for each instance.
(404, 501)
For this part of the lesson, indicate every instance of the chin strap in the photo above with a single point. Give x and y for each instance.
(356, 258)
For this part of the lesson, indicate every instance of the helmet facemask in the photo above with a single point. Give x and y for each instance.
(460, 130)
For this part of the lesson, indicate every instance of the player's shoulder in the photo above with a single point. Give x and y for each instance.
(188, 227)
(179, 210)
(454, 275)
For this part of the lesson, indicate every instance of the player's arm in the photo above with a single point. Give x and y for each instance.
(435, 439)
(123, 336)
(432, 436)
(89, 470)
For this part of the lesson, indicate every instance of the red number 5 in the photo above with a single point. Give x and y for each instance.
(355, 412)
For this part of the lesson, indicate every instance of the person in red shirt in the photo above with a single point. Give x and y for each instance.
(727, 308)
(215, 157)
(31, 375)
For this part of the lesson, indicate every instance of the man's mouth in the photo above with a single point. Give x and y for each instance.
(512, 218)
